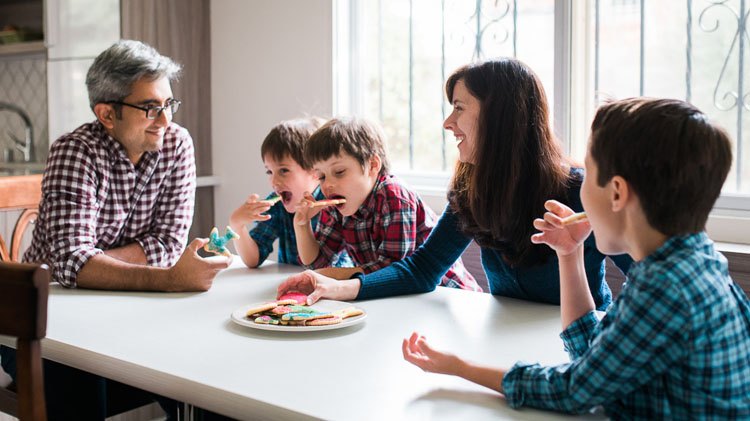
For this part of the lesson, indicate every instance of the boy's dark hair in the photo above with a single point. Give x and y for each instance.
(289, 138)
(359, 137)
(675, 160)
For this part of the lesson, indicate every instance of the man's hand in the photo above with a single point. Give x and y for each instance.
(305, 210)
(418, 352)
(194, 273)
(564, 239)
(250, 211)
(317, 286)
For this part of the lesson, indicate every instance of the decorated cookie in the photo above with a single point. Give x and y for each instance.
(330, 202)
(302, 309)
(322, 322)
(298, 297)
(216, 244)
(347, 312)
(261, 308)
(279, 310)
(272, 200)
(305, 316)
(266, 320)
(286, 302)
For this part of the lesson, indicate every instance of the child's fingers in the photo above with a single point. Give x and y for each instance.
(553, 220)
(424, 347)
(557, 208)
(542, 225)
(538, 238)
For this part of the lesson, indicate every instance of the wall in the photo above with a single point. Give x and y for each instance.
(271, 60)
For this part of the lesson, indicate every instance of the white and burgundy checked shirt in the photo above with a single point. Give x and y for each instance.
(95, 199)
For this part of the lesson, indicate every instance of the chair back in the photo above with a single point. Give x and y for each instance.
(19, 193)
(24, 289)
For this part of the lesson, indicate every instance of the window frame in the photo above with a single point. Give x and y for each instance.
(730, 219)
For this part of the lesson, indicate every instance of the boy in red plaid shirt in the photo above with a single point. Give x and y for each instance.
(381, 222)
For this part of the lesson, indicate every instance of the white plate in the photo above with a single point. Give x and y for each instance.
(239, 316)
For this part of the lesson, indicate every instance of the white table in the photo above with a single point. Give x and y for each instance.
(184, 346)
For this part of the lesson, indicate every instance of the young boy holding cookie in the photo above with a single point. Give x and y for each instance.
(675, 343)
(380, 220)
(290, 178)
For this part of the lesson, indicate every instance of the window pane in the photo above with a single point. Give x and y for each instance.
(691, 51)
(403, 72)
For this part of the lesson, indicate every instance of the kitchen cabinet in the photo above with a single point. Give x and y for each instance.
(75, 32)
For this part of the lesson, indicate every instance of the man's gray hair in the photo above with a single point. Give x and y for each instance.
(115, 70)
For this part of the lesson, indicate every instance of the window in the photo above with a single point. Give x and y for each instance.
(393, 56)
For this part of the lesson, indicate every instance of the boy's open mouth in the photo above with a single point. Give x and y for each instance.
(338, 196)
(286, 196)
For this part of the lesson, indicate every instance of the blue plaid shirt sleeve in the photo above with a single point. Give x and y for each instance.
(628, 349)
(576, 337)
(264, 233)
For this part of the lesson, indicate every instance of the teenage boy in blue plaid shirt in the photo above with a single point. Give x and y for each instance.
(676, 343)
(290, 178)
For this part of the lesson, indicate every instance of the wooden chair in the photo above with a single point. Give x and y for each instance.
(19, 193)
(24, 289)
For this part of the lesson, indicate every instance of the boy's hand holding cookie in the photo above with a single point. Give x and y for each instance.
(306, 210)
(561, 237)
(250, 211)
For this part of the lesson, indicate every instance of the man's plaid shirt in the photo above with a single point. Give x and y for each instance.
(95, 199)
(390, 224)
(674, 345)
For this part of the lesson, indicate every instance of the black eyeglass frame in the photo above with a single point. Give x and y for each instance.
(173, 106)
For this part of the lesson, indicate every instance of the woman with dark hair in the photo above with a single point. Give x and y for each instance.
(509, 164)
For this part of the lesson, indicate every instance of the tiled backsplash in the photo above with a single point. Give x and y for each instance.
(23, 82)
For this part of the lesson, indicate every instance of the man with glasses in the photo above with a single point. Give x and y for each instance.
(117, 204)
(118, 193)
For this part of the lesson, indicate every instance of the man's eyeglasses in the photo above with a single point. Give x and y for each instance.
(153, 111)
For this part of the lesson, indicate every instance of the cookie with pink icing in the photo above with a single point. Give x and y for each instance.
(299, 297)
(266, 320)
(279, 310)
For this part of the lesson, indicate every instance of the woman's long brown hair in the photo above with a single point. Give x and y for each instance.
(518, 162)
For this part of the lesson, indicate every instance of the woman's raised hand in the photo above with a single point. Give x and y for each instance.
(564, 239)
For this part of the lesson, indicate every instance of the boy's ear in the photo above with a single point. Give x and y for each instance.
(375, 165)
(619, 193)
(105, 113)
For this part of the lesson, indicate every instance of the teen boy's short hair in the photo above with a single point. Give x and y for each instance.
(289, 138)
(358, 137)
(675, 160)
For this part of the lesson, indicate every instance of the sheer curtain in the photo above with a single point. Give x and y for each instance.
(180, 29)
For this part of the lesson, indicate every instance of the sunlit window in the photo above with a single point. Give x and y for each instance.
(398, 53)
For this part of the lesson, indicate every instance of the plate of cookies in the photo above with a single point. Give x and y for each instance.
(290, 313)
